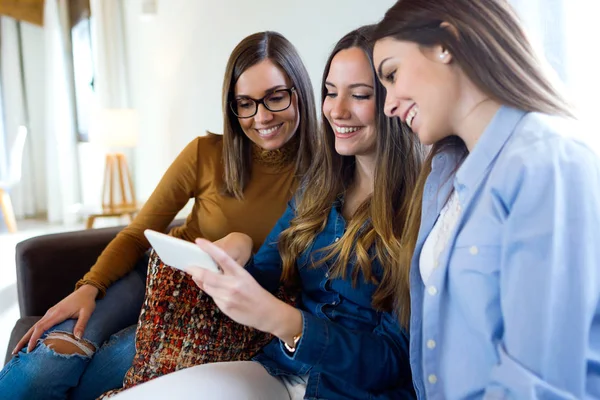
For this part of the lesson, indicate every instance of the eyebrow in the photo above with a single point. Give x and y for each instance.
(353, 86)
(380, 68)
(267, 92)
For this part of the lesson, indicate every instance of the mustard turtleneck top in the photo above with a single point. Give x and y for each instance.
(198, 173)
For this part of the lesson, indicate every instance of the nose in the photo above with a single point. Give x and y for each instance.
(339, 109)
(263, 115)
(391, 108)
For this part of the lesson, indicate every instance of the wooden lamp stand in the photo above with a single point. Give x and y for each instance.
(115, 127)
(117, 179)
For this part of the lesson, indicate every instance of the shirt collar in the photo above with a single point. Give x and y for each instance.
(491, 142)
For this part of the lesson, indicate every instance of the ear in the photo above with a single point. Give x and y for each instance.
(450, 28)
(442, 55)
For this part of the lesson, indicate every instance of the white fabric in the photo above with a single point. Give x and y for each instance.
(110, 65)
(61, 151)
(3, 142)
(246, 380)
(15, 161)
(15, 112)
(438, 237)
(295, 385)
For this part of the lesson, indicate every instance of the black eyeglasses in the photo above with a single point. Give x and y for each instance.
(247, 107)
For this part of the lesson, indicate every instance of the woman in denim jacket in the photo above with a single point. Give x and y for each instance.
(338, 242)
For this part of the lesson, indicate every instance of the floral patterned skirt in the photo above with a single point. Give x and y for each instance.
(180, 326)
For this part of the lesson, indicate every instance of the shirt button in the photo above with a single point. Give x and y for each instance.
(432, 290)
(337, 239)
(473, 250)
(431, 344)
(432, 379)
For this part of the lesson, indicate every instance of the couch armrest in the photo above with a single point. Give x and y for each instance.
(48, 266)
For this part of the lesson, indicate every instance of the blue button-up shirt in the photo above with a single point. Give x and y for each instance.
(348, 349)
(513, 309)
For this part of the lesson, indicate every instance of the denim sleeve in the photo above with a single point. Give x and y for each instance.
(550, 281)
(265, 266)
(379, 358)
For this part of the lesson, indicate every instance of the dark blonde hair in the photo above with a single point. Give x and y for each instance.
(377, 223)
(487, 41)
(237, 150)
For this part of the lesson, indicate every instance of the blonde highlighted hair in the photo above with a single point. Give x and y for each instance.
(374, 230)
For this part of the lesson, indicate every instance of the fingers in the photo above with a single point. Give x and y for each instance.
(47, 322)
(39, 328)
(84, 316)
(226, 299)
(227, 291)
(222, 288)
(23, 340)
(204, 277)
(227, 264)
(217, 293)
(199, 284)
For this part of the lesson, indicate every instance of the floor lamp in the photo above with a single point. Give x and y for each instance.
(116, 129)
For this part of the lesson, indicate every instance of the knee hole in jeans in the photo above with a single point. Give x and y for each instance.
(66, 343)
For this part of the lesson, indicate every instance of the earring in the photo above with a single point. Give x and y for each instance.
(443, 54)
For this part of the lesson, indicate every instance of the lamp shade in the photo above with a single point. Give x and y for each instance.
(116, 127)
(149, 9)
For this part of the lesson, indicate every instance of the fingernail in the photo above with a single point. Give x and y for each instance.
(78, 335)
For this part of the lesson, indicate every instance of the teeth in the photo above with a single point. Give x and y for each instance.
(269, 130)
(411, 115)
(340, 129)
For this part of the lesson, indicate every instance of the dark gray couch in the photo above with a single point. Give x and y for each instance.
(49, 266)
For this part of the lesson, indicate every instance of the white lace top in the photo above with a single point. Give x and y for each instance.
(438, 237)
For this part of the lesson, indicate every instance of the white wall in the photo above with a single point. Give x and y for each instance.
(583, 60)
(559, 29)
(176, 61)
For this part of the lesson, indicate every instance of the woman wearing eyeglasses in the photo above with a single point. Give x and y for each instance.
(240, 182)
(338, 242)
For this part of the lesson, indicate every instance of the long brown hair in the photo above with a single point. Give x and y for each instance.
(377, 223)
(237, 150)
(488, 42)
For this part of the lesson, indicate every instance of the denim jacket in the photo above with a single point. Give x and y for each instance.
(347, 349)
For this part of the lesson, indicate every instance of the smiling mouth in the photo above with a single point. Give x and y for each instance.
(269, 131)
(345, 130)
(412, 113)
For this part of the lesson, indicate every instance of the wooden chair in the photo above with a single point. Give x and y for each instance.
(12, 178)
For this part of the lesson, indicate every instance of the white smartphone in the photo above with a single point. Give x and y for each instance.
(178, 253)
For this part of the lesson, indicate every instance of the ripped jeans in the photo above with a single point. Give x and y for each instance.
(45, 374)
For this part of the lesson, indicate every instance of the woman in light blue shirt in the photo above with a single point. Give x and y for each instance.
(503, 229)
